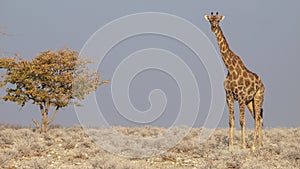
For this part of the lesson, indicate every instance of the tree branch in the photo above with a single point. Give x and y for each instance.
(47, 105)
(37, 125)
(54, 115)
(42, 109)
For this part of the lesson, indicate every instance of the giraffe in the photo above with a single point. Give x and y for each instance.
(241, 85)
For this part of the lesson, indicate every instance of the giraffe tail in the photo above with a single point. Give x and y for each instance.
(262, 114)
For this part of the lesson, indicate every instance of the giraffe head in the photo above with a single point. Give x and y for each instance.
(214, 20)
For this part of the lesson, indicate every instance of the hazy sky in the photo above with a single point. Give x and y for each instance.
(265, 34)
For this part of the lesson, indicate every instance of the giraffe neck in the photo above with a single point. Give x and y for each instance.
(231, 60)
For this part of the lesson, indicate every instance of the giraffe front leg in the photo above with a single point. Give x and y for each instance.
(231, 125)
(242, 122)
(230, 103)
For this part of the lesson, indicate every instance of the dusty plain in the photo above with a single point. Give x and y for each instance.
(72, 148)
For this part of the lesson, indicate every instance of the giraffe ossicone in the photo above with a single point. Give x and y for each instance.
(241, 85)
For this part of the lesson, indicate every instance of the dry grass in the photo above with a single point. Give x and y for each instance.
(73, 148)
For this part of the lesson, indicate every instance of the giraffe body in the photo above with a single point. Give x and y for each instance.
(241, 85)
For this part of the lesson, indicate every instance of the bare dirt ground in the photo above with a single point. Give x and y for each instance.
(67, 148)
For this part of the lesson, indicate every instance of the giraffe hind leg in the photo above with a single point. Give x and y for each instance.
(250, 106)
(260, 144)
(258, 101)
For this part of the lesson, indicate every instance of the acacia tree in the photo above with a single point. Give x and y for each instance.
(51, 79)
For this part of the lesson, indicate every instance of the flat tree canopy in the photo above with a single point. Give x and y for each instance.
(51, 79)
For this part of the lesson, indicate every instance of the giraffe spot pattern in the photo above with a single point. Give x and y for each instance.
(247, 82)
(245, 74)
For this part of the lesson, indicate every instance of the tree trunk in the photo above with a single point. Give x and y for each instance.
(45, 121)
(44, 127)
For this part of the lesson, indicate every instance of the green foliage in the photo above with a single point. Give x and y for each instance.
(49, 79)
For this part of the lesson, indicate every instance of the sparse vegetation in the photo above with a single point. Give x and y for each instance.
(73, 148)
(49, 80)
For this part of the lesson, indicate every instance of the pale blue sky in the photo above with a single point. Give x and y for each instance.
(265, 34)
